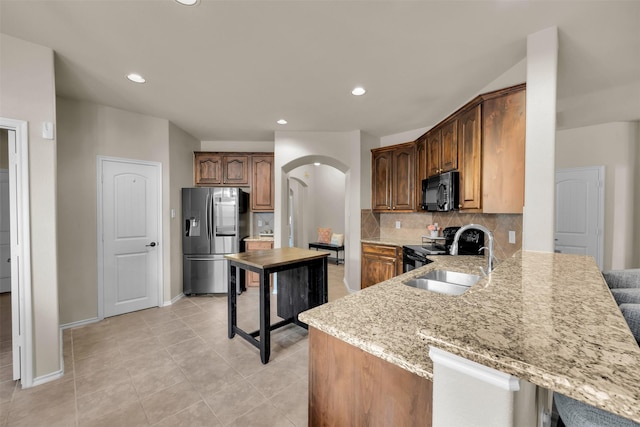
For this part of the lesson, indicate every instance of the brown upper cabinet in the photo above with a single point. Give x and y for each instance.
(503, 147)
(485, 141)
(393, 178)
(254, 170)
(442, 148)
(207, 168)
(262, 183)
(221, 169)
(421, 167)
(235, 170)
(469, 158)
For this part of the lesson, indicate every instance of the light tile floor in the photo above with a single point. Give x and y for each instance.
(170, 366)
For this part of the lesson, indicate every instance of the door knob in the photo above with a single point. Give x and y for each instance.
(152, 244)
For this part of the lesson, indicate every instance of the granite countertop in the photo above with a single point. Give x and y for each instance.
(545, 318)
(392, 241)
(259, 239)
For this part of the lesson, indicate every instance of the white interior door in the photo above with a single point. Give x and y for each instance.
(131, 220)
(580, 212)
(5, 233)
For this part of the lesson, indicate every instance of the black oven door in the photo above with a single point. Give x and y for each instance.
(412, 260)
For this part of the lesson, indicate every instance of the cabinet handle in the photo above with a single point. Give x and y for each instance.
(459, 206)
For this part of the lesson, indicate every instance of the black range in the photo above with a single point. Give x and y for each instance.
(471, 243)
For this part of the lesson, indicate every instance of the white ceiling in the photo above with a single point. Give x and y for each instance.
(227, 70)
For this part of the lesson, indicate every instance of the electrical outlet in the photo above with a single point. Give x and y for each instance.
(512, 237)
(259, 223)
(397, 224)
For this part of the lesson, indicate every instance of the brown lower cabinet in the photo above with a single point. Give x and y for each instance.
(253, 279)
(350, 387)
(379, 263)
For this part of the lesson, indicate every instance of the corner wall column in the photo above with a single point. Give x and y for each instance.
(538, 228)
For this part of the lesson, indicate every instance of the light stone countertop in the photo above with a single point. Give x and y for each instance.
(392, 241)
(259, 239)
(545, 318)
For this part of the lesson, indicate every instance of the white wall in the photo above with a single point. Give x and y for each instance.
(616, 146)
(86, 130)
(27, 88)
(341, 150)
(181, 148)
(326, 198)
(241, 146)
(539, 182)
(367, 143)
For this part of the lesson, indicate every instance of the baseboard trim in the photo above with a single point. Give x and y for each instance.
(79, 323)
(48, 378)
(174, 300)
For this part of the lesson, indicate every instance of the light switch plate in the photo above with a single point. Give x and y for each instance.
(397, 224)
(47, 130)
(512, 237)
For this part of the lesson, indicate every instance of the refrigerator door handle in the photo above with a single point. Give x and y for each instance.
(207, 205)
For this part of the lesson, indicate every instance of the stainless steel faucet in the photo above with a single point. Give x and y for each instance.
(485, 230)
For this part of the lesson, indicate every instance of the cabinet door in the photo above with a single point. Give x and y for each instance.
(253, 279)
(263, 185)
(376, 269)
(469, 152)
(449, 153)
(235, 170)
(503, 149)
(381, 180)
(379, 263)
(208, 169)
(403, 179)
(421, 168)
(434, 139)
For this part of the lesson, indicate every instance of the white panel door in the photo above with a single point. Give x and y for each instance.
(131, 255)
(5, 233)
(579, 212)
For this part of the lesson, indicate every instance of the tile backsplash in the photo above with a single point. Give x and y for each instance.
(414, 225)
(262, 222)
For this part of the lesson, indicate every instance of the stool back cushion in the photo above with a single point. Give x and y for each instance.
(626, 295)
(631, 313)
(629, 278)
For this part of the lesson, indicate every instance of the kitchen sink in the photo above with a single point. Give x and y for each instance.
(444, 282)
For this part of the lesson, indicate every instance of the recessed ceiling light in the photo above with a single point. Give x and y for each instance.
(316, 164)
(187, 2)
(358, 91)
(136, 78)
(282, 122)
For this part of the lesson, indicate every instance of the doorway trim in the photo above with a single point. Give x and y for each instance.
(21, 297)
(99, 174)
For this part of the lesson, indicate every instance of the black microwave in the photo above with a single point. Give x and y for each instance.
(440, 192)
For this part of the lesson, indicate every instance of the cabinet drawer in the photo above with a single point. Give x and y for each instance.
(255, 246)
(389, 251)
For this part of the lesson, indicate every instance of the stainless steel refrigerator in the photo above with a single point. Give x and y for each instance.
(214, 222)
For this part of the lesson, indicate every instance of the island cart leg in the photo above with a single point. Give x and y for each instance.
(231, 293)
(265, 317)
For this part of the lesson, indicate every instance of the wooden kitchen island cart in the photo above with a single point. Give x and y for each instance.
(302, 284)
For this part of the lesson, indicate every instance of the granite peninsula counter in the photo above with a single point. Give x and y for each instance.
(546, 318)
